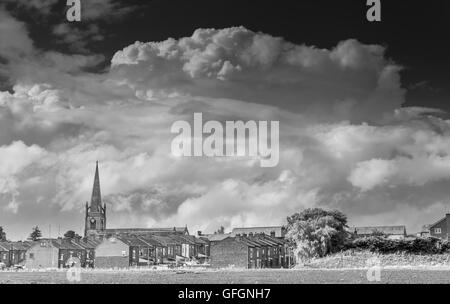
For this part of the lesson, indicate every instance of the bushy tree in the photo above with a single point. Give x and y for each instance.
(316, 232)
(36, 234)
(2, 235)
(70, 234)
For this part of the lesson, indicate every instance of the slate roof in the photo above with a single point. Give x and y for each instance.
(150, 241)
(438, 222)
(57, 243)
(162, 231)
(133, 241)
(5, 246)
(21, 245)
(87, 243)
(216, 237)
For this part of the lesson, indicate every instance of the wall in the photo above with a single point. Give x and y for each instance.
(112, 253)
(229, 252)
(112, 262)
(43, 257)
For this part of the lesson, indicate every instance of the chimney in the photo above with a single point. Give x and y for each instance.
(199, 233)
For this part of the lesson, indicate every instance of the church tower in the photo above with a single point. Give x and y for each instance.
(95, 221)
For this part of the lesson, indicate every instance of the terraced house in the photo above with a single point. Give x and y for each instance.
(255, 251)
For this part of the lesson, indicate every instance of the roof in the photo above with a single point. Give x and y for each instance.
(216, 237)
(276, 240)
(5, 246)
(278, 230)
(57, 243)
(172, 230)
(192, 239)
(87, 243)
(438, 222)
(150, 241)
(96, 198)
(133, 241)
(162, 240)
(389, 230)
(21, 245)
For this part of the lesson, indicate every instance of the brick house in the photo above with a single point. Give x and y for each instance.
(4, 253)
(54, 253)
(17, 253)
(89, 246)
(441, 229)
(233, 251)
(118, 252)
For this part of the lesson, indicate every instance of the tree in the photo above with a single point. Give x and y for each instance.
(220, 231)
(36, 234)
(2, 235)
(316, 232)
(70, 234)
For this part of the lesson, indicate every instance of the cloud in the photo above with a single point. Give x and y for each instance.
(42, 6)
(14, 159)
(104, 9)
(14, 39)
(77, 39)
(351, 81)
(372, 173)
(345, 141)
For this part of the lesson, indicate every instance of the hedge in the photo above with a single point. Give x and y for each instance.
(379, 244)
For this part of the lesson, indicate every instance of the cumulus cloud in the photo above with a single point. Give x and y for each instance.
(351, 81)
(344, 140)
(14, 159)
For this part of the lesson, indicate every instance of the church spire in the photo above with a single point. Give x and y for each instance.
(96, 198)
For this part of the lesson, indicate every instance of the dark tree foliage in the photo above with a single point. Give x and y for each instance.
(36, 234)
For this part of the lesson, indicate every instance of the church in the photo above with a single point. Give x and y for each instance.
(95, 219)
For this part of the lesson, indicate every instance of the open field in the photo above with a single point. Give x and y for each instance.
(350, 276)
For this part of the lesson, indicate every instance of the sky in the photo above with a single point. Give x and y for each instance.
(362, 110)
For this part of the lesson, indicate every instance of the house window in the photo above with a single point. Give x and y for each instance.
(437, 230)
(124, 253)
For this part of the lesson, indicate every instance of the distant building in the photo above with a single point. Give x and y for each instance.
(125, 251)
(392, 232)
(4, 253)
(257, 251)
(274, 231)
(425, 232)
(441, 229)
(13, 253)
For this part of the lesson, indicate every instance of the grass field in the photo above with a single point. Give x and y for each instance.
(388, 276)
